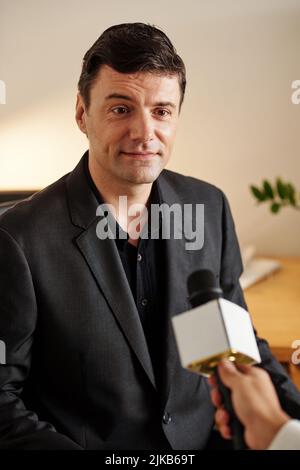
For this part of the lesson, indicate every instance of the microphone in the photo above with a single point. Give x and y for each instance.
(214, 329)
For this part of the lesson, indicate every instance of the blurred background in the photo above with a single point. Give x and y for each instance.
(238, 123)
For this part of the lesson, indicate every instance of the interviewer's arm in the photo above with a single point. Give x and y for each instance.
(288, 437)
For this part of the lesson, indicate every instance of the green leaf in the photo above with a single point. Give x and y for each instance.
(281, 189)
(291, 194)
(275, 207)
(268, 190)
(257, 193)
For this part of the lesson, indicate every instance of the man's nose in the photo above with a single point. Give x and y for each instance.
(142, 127)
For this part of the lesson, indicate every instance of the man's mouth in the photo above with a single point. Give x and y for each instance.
(141, 155)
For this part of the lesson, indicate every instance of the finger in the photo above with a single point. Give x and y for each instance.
(259, 372)
(244, 368)
(228, 372)
(225, 432)
(216, 397)
(212, 381)
(252, 371)
(221, 417)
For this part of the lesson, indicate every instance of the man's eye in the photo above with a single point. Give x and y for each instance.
(162, 112)
(120, 110)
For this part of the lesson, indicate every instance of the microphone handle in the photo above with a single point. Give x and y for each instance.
(236, 426)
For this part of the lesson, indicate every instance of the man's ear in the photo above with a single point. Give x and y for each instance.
(80, 114)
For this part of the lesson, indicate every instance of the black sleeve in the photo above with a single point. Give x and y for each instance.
(231, 269)
(20, 428)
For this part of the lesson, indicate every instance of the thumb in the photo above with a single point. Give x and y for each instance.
(228, 372)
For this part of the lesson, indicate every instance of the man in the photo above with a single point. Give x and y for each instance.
(91, 359)
(256, 404)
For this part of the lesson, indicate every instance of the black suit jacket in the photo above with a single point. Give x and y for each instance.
(78, 372)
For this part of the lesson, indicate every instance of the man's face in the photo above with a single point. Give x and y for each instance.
(131, 123)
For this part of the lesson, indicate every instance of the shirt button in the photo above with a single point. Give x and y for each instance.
(167, 418)
(139, 257)
(144, 302)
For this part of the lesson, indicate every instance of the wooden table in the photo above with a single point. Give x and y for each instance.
(274, 304)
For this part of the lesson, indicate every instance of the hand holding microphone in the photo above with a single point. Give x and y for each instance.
(213, 330)
(254, 400)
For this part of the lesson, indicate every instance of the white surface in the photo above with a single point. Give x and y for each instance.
(200, 333)
(256, 270)
(239, 329)
(247, 253)
(213, 328)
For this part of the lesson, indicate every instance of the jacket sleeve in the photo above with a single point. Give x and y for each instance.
(231, 269)
(20, 428)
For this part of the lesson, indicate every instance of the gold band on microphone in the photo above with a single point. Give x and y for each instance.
(207, 366)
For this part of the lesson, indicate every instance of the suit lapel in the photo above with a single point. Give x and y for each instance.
(104, 261)
(180, 263)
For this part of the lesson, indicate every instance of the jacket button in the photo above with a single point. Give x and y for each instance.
(167, 418)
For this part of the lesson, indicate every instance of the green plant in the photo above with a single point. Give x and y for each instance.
(278, 195)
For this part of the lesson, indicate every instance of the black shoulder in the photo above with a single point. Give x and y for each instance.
(36, 210)
(197, 189)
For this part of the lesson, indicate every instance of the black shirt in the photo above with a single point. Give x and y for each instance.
(144, 268)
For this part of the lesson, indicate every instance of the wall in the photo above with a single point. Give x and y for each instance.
(238, 123)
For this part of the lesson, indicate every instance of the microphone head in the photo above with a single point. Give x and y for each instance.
(202, 287)
(203, 278)
(213, 329)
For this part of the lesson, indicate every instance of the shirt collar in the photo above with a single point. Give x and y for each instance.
(155, 198)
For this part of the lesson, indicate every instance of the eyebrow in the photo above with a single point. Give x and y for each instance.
(128, 98)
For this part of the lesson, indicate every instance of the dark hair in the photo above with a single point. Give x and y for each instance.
(130, 48)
